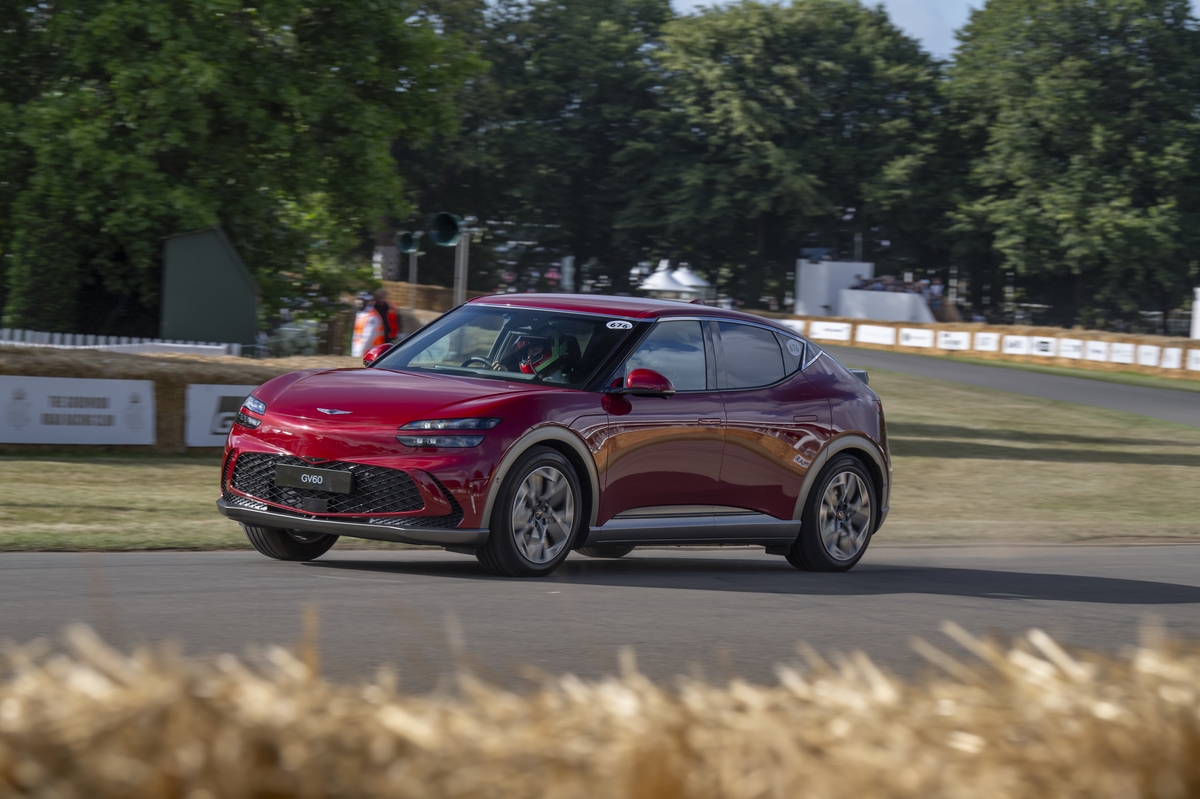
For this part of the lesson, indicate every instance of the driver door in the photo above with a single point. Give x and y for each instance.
(663, 456)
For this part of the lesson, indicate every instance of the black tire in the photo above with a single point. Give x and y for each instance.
(810, 551)
(606, 552)
(506, 552)
(278, 543)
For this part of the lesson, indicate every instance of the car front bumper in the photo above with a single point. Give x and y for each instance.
(453, 538)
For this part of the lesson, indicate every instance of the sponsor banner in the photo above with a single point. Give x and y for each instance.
(794, 324)
(1070, 348)
(875, 334)
(1016, 345)
(1046, 347)
(832, 331)
(987, 342)
(1123, 353)
(1172, 358)
(916, 337)
(209, 411)
(71, 410)
(953, 340)
(1095, 350)
(1194, 360)
(1147, 355)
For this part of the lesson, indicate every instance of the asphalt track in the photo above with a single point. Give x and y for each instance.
(712, 613)
(1179, 406)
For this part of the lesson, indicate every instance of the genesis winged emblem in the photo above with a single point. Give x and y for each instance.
(334, 411)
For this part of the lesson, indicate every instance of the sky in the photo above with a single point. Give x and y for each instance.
(931, 21)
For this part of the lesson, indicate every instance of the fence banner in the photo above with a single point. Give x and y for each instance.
(1194, 360)
(72, 410)
(1016, 345)
(1172, 358)
(1070, 348)
(987, 342)
(916, 337)
(1147, 355)
(1044, 346)
(953, 340)
(833, 331)
(794, 324)
(875, 334)
(1122, 352)
(209, 411)
(1095, 351)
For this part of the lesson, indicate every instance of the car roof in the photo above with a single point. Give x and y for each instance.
(628, 307)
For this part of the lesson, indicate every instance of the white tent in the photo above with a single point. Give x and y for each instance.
(699, 286)
(663, 284)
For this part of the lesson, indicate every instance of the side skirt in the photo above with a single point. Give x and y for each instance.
(756, 529)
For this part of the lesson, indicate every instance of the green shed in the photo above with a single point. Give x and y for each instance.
(208, 294)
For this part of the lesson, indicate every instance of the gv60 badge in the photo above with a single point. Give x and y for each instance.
(334, 411)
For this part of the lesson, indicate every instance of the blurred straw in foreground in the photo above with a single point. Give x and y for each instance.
(1030, 720)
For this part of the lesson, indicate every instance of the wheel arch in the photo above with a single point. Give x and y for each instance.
(567, 444)
(859, 447)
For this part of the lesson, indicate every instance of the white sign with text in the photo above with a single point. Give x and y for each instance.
(209, 411)
(1070, 348)
(987, 342)
(953, 340)
(1044, 346)
(832, 331)
(72, 410)
(1095, 350)
(1123, 353)
(1172, 358)
(916, 337)
(875, 334)
(1016, 345)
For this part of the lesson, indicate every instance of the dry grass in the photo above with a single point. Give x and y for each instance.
(978, 465)
(1031, 721)
(971, 465)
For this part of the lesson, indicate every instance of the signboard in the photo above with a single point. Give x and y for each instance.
(72, 410)
(953, 340)
(1016, 345)
(1070, 348)
(987, 342)
(794, 324)
(1194, 360)
(209, 411)
(916, 337)
(1095, 350)
(1147, 355)
(875, 334)
(1122, 352)
(1044, 346)
(833, 331)
(1172, 358)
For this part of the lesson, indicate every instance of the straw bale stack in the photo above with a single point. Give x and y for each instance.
(1028, 721)
(170, 372)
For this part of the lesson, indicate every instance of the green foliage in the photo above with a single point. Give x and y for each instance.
(775, 125)
(1086, 174)
(128, 120)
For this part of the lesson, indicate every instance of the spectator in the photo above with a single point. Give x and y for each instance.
(387, 316)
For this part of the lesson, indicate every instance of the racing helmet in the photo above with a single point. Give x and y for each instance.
(542, 353)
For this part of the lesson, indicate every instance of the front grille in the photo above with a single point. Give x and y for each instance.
(375, 489)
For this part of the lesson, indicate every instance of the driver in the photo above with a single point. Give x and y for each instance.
(542, 353)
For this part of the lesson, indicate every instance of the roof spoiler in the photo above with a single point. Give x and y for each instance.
(861, 374)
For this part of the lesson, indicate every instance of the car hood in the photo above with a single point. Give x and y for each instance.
(381, 396)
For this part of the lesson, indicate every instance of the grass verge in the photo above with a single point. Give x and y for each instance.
(1031, 721)
(971, 465)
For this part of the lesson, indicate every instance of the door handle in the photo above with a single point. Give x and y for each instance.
(809, 418)
(710, 422)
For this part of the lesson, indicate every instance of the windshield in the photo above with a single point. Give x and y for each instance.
(512, 344)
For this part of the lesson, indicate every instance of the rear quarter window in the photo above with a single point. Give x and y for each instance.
(753, 356)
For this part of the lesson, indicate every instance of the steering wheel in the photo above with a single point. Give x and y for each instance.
(484, 361)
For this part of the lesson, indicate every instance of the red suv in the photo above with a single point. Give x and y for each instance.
(519, 428)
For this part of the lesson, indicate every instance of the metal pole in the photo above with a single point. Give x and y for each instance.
(1196, 313)
(412, 279)
(460, 271)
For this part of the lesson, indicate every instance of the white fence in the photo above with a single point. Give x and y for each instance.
(34, 338)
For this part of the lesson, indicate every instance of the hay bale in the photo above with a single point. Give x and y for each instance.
(1031, 721)
(170, 372)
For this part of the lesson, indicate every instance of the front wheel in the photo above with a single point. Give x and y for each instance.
(537, 515)
(281, 544)
(838, 519)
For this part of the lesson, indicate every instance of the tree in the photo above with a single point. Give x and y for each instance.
(129, 120)
(1086, 174)
(774, 124)
(540, 129)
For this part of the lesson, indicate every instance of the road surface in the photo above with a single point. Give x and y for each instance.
(1180, 406)
(712, 612)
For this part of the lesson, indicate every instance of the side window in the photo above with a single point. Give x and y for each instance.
(674, 349)
(752, 356)
(793, 353)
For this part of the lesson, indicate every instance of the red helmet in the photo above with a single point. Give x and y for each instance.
(541, 354)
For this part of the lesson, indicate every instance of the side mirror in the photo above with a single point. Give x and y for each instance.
(861, 374)
(375, 353)
(647, 383)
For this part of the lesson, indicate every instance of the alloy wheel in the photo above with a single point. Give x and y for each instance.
(543, 514)
(844, 518)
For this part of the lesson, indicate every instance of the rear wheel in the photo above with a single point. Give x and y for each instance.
(606, 552)
(838, 519)
(537, 515)
(281, 544)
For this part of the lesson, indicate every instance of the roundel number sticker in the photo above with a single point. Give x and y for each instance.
(795, 347)
(618, 325)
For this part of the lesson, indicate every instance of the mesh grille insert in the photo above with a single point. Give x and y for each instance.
(375, 489)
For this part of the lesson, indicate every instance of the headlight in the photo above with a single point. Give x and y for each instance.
(255, 405)
(414, 435)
